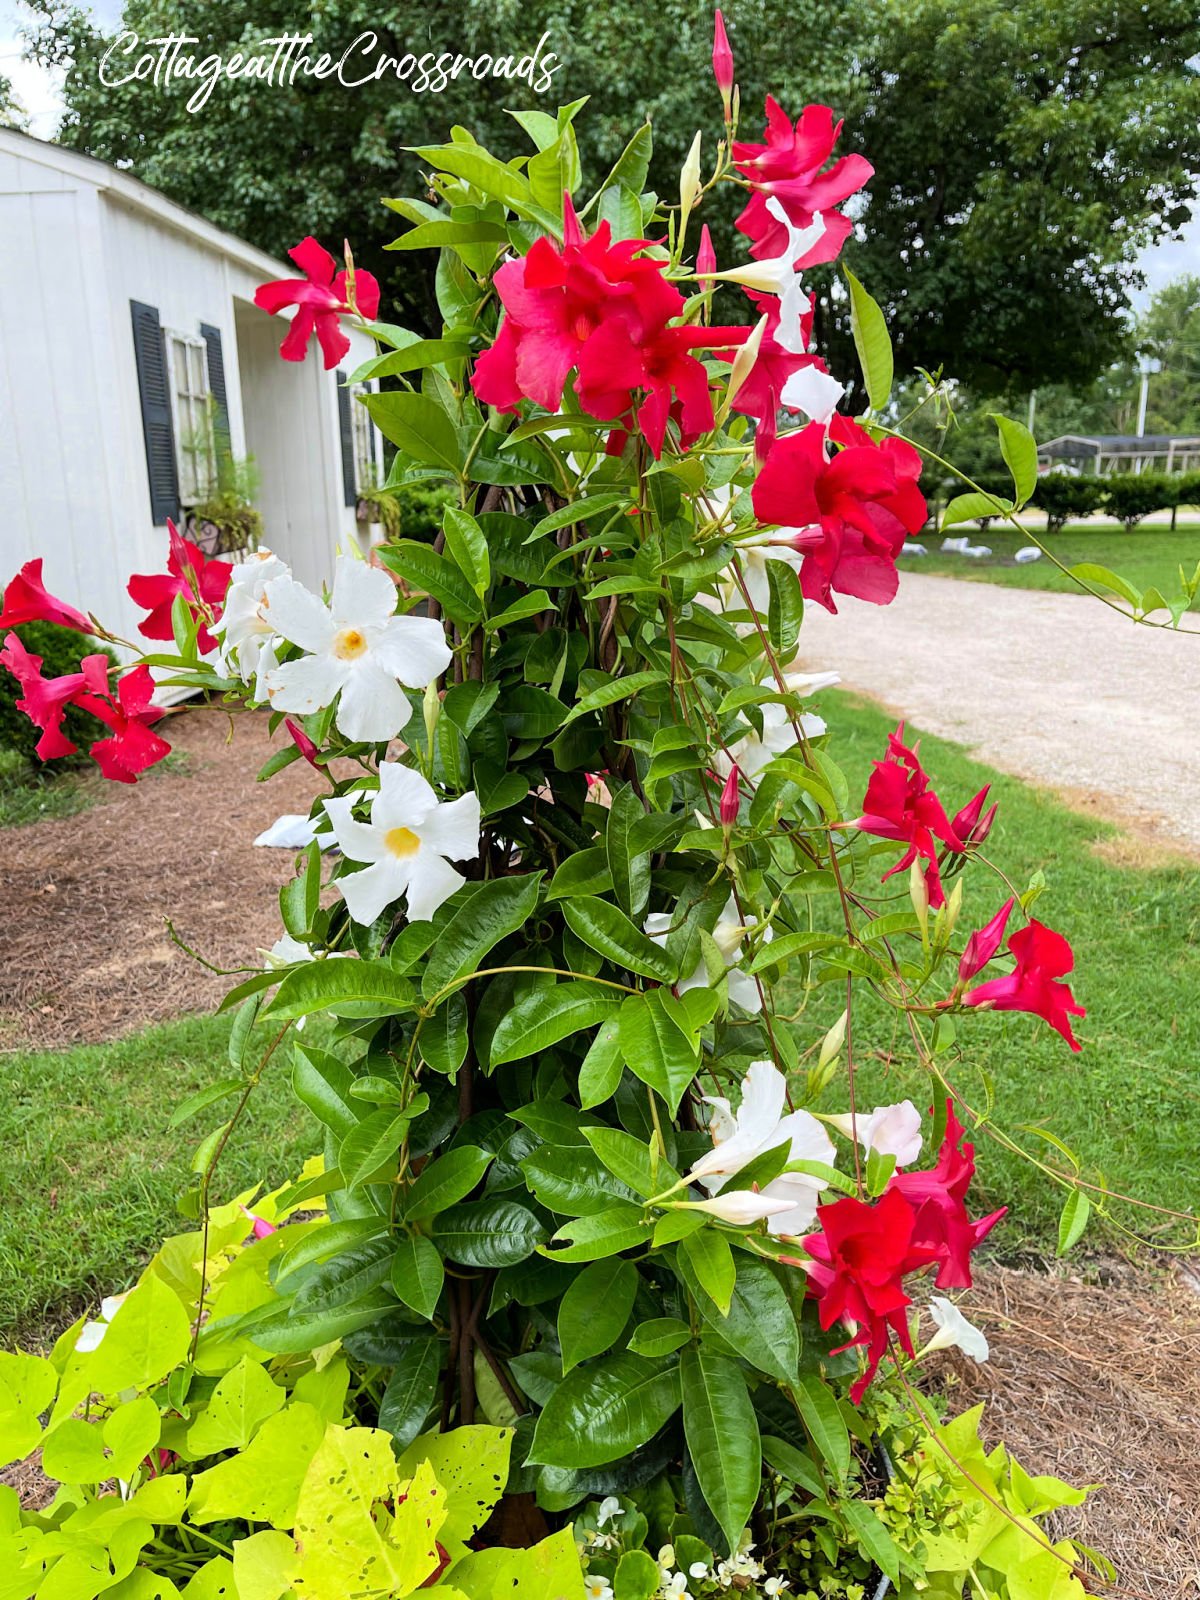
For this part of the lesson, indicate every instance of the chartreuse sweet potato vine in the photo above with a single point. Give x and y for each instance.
(606, 1226)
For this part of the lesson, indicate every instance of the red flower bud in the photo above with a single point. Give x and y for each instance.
(731, 798)
(722, 58)
(302, 742)
(706, 257)
(967, 824)
(984, 942)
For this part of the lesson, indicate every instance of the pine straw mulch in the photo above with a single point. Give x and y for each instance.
(84, 950)
(1099, 1383)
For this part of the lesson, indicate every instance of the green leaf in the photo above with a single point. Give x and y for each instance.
(348, 1277)
(417, 426)
(585, 872)
(711, 1259)
(348, 988)
(760, 1325)
(786, 611)
(529, 605)
(576, 510)
(722, 1438)
(968, 507)
(423, 568)
(604, 928)
(89, 1452)
(417, 1273)
(411, 1388)
(322, 1084)
(872, 343)
(655, 1048)
(480, 915)
(413, 357)
(148, 1336)
(631, 166)
(1074, 1220)
(468, 547)
(603, 1233)
(203, 1098)
(488, 1233)
(530, 712)
(638, 1577)
(661, 1336)
(792, 1464)
(601, 1413)
(370, 1145)
(544, 1016)
(571, 1181)
(627, 862)
(595, 1309)
(608, 694)
(27, 1388)
(262, 1483)
(824, 1420)
(444, 232)
(471, 1466)
(631, 1161)
(874, 1538)
(1019, 449)
(1102, 578)
(445, 1182)
(601, 1069)
(239, 1405)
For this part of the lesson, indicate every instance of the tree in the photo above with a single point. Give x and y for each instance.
(1170, 333)
(1025, 153)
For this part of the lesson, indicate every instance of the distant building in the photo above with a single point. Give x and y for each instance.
(1122, 452)
(128, 334)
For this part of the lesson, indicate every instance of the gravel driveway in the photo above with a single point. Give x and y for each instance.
(1054, 688)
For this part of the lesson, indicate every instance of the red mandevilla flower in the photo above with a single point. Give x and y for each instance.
(1043, 959)
(851, 514)
(45, 700)
(858, 1263)
(602, 308)
(201, 580)
(900, 805)
(27, 600)
(787, 168)
(321, 299)
(939, 1199)
(131, 747)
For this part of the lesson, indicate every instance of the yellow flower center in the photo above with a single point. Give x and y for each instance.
(401, 841)
(349, 644)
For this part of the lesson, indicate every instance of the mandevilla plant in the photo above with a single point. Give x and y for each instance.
(591, 1173)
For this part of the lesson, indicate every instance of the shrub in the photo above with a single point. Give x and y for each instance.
(421, 507)
(61, 650)
(1064, 497)
(1130, 496)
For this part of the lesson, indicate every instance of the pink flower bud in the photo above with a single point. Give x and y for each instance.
(722, 58)
(302, 742)
(984, 942)
(262, 1228)
(706, 258)
(966, 823)
(731, 798)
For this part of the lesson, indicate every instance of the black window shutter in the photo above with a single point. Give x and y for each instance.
(154, 386)
(346, 425)
(216, 384)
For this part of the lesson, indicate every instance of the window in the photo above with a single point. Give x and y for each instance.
(365, 474)
(192, 408)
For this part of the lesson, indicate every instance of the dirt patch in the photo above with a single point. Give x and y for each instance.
(1143, 843)
(84, 949)
(1099, 1382)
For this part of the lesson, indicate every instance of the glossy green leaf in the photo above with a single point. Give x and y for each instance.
(411, 1388)
(711, 1259)
(604, 928)
(824, 1421)
(631, 1161)
(480, 915)
(370, 1145)
(417, 426)
(595, 1309)
(661, 1336)
(445, 1181)
(544, 1016)
(722, 1438)
(603, 1412)
(872, 343)
(495, 1232)
(1073, 1221)
(602, 1233)
(417, 1273)
(468, 548)
(655, 1048)
(348, 988)
(1019, 449)
(761, 1325)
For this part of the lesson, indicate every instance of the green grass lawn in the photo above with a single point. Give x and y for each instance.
(1129, 1103)
(1148, 555)
(90, 1172)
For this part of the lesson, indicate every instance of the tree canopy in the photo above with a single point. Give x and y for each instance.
(1025, 152)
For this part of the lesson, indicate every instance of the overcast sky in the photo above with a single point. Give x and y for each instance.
(40, 93)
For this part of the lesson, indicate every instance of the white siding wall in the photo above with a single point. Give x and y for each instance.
(73, 479)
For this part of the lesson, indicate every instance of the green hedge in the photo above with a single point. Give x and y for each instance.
(61, 650)
(1127, 497)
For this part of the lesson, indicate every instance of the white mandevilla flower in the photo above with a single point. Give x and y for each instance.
(408, 845)
(760, 1125)
(248, 640)
(727, 936)
(955, 1332)
(804, 683)
(91, 1335)
(812, 391)
(356, 648)
(888, 1130)
(754, 751)
(777, 275)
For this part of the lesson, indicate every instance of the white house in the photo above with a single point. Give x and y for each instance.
(127, 329)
